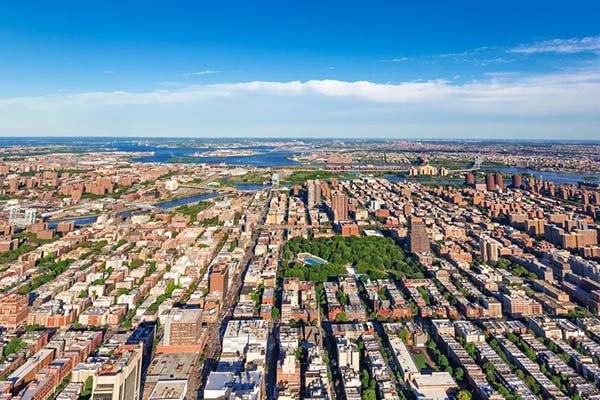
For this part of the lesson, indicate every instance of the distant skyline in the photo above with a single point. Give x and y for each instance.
(352, 69)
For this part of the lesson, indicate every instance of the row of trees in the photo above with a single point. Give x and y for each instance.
(490, 372)
(368, 386)
(11, 255)
(561, 381)
(48, 269)
(515, 269)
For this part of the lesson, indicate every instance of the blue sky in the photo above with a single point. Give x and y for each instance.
(472, 69)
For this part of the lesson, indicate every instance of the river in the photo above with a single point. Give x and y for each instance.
(556, 177)
(163, 205)
(167, 150)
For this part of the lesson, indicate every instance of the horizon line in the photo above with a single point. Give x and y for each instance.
(409, 138)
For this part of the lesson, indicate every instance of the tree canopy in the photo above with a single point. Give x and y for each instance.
(377, 257)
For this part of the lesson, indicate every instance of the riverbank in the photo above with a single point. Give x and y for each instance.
(163, 205)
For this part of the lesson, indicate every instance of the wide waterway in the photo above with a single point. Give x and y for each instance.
(556, 177)
(163, 205)
(189, 151)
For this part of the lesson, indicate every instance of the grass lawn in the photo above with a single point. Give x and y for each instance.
(420, 360)
(252, 177)
(302, 176)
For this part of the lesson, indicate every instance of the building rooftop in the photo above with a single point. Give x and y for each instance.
(171, 366)
(169, 390)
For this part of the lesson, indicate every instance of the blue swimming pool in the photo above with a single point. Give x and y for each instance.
(312, 261)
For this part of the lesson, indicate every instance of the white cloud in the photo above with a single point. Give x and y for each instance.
(554, 94)
(562, 46)
(171, 84)
(204, 72)
(396, 60)
(115, 98)
(467, 53)
(543, 94)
